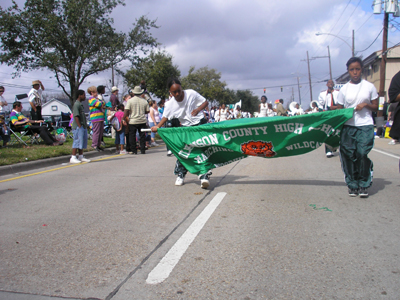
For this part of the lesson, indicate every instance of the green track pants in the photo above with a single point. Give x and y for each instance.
(355, 144)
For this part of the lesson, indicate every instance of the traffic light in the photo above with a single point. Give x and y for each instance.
(264, 90)
(281, 88)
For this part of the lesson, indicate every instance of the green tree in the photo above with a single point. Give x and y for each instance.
(72, 38)
(205, 81)
(155, 69)
(250, 102)
(228, 97)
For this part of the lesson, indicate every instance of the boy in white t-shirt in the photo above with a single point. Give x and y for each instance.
(187, 106)
(357, 136)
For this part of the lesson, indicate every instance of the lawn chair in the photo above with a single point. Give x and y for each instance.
(17, 134)
(64, 124)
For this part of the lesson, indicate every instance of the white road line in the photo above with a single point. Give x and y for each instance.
(388, 154)
(170, 260)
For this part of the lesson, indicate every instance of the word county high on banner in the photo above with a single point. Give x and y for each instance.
(202, 148)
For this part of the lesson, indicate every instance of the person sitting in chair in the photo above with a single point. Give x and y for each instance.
(35, 126)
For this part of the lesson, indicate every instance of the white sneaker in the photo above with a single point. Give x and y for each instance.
(392, 142)
(179, 181)
(84, 159)
(154, 144)
(329, 154)
(123, 152)
(204, 183)
(74, 160)
(204, 180)
(169, 153)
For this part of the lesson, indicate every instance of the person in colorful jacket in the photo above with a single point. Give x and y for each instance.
(96, 112)
(35, 126)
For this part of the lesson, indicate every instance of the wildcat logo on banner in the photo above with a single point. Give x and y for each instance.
(202, 148)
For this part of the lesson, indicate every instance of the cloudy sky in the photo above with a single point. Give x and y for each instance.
(254, 44)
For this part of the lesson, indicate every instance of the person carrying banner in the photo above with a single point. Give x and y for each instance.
(187, 106)
(357, 136)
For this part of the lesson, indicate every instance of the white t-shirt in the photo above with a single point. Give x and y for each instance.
(183, 110)
(3, 103)
(350, 95)
(325, 98)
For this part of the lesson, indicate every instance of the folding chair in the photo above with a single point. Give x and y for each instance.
(64, 124)
(17, 134)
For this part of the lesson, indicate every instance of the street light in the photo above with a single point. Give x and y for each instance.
(351, 47)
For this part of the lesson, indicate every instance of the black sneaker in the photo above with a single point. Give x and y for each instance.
(363, 193)
(353, 192)
(205, 180)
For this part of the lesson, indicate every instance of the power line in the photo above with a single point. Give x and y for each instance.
(372, 42)
(333, 26)
(365, 22)
(349, 16)
(25, 87)
(278, 86)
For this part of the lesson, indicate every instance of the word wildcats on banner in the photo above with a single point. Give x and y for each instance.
(202, 148)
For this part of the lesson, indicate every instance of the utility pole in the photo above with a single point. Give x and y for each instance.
(292, 94)
(383, 62)
(309, 77)
(298, 87)
(352, 45)
(329, 57)
(330, 66)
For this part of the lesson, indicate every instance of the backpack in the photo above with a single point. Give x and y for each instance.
(116, 123)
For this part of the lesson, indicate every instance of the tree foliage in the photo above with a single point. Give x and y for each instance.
(250, 102)
(228, 97)
(72, 38)
(205, 81)
(155, 69)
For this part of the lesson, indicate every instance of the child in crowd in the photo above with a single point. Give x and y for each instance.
(125, 99)
(79, 129)
(128, 145)
(153, 118)
(120, 134)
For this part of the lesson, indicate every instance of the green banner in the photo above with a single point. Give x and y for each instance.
(202, 148)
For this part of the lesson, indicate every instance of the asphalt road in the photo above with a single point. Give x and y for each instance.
(118, 228)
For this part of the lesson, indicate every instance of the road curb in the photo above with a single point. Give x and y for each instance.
(46, 162)
(53, 161)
